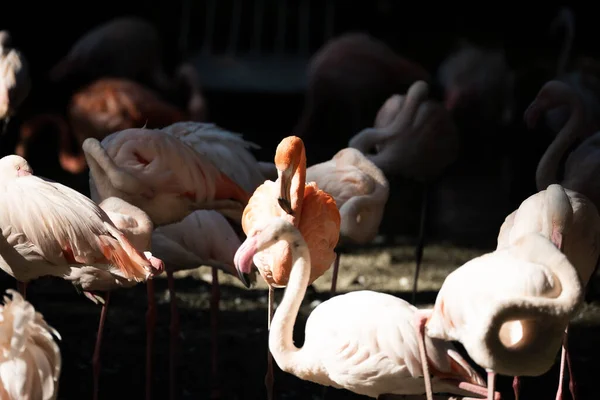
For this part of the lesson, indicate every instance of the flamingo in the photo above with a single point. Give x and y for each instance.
(304, 205)
(164, 176)
(415, 138)
(360, 191)
(50, 229)
(31, 362)
(363, 341)
(15, 82)
(583, 163)
(159, 174)
(571, 222)
(508, 308)
(204, 237)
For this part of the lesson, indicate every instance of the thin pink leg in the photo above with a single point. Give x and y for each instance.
(334, 275)
(22, 288)
(96, 356)
(491, 383)
(420, 321)
(572, 383)
(174, 328)
(214, 332)
(516, 387)
(269, 378)
(150, 328)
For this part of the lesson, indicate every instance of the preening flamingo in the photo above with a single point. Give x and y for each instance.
(365, 341)
(15, 82)
(204, 237)
(161, 175)
(31, 363)
(416, 138)
(312, 210)
(571, 222)
(50, 229)
(360, 191)
(508, 308)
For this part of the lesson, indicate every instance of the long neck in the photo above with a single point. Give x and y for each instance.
(297, 188)
(281, 341)
(547, 169)
(543, 319)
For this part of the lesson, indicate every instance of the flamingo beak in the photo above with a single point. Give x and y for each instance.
(243, 260)
(284, 199)
(23, 172)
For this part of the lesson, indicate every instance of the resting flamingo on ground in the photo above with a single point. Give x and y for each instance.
(365, 341)
(413, 137)
(31, 362)
(50, 229)
(360, 191)
(204, 237)
(312, 210)
(571, 222)
(508, 308)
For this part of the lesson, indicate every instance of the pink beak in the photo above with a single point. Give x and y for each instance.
(243, 259)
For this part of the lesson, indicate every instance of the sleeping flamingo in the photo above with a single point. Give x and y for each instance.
(312, 210)
(204, 237)
(15, 82)
(159, 174)
(508, 308)
(571, 222)
(360, 191)
(31, 360)
(363, 341)
(413, 137)
(50, 229)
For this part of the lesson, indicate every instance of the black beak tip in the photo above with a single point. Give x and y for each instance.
(285, 205)
(245, 278)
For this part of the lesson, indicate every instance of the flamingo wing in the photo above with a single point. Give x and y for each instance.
(222, 147)
(320, 227)
(65, 227)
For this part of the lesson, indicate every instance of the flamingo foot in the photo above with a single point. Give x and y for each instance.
(96, 356)
(150, 329)
(174, 328)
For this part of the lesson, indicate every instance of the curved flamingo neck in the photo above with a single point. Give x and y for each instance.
(547, 170)
(281, 340)
(297, 188)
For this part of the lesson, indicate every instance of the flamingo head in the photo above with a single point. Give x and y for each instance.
(13, 166)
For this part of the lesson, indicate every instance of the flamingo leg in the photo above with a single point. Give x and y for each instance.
(174, 328)
(336, 267)
(420, 321)
(565, 359)
(214, 332)
(269, 379)
(516, 387)
(150, 328)
(491, 383)
(22, 288)
(420, 242)
(96, 356)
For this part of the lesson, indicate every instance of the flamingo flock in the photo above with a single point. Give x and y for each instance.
(170, 191)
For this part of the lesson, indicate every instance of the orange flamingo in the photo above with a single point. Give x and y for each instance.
(311, 210)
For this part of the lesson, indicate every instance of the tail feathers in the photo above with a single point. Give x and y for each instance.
(122, 254)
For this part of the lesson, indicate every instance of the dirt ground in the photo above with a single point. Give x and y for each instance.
(243, 333)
